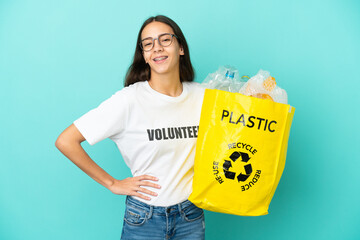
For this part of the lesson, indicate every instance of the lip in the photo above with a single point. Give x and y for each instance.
(161, 61)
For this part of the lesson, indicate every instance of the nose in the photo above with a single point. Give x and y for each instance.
(157, 46)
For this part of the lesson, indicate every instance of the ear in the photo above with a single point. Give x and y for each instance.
(181, 51)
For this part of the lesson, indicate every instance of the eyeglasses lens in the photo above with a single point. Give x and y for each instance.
(164, 40)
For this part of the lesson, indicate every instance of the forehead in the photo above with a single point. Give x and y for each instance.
(153, 29)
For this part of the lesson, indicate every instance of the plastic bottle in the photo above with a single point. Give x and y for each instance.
(227, 82)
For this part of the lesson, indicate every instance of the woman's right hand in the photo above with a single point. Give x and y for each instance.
(69, 143)
(132, 186)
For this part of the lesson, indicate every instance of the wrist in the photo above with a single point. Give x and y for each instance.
(109, 183)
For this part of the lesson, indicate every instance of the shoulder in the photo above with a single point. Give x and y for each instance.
(129, 91)
(195, 87)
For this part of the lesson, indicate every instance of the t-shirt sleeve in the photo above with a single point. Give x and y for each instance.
(105, 121)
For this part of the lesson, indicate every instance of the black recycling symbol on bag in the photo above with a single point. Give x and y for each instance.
(227, 165)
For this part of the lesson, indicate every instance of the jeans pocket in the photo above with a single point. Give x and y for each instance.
(135, 216)
(192, 213)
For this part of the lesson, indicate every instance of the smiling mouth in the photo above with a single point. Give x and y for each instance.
(159, 59)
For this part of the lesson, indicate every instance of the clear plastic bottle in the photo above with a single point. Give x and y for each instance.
(226, 78)
(227, 82)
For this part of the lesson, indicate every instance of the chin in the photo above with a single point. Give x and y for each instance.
(163, 69)
(160, 70)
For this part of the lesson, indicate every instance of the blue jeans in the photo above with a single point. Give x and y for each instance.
(183, 221)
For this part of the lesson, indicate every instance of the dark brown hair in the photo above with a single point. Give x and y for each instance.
(139, 70)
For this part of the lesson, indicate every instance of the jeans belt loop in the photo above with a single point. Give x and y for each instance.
(180, 208)
(151, 209)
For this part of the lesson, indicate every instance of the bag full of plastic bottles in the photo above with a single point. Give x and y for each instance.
(242, 143)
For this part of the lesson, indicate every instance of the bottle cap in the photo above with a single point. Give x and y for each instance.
(229, 74)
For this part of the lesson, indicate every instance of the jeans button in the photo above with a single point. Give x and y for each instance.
(168, 210)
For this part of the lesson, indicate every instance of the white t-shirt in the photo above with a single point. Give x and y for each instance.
(155, 133)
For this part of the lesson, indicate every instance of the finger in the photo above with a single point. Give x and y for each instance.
(144, 190)
(147, 177)
(149, 184)
(140, 196)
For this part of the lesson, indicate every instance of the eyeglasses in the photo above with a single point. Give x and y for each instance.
(164, 40)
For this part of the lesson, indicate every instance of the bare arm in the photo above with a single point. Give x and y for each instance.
(69, 143)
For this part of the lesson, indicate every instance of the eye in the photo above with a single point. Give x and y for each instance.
(147, 43)
(165, 38)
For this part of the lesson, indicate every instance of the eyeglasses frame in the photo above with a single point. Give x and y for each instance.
(153, 41)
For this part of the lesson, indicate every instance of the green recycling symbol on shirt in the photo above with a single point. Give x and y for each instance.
(243, 175)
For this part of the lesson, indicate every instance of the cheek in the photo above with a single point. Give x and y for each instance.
(176, 52)
(146, 57)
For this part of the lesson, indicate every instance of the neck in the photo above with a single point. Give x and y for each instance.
(168, 84)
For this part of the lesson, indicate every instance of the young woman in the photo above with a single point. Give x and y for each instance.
(154, 122)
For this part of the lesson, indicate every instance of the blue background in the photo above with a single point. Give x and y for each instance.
(59, 59)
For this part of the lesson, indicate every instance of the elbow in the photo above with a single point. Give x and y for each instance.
(60, 142)
(69, 137)
(65, 141)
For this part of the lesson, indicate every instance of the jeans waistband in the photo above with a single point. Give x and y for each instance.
(157, 209)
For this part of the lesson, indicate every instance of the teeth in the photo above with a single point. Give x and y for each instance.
(159, 59)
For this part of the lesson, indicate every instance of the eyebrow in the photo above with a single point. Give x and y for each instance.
(146, 38)
(157, 36)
